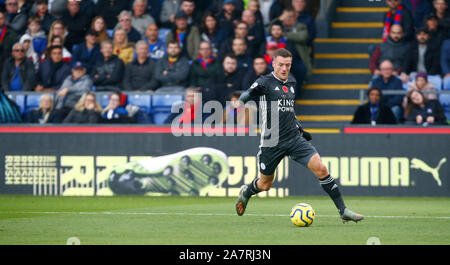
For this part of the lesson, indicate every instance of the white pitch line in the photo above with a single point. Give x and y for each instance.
(223, 214)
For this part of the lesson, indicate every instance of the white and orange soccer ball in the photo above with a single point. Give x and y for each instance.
(302, 214)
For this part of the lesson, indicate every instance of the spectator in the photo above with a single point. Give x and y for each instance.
(424, 112)
(387, 81)
(270, 9)
(398, 15)
(191, 108)
(172, 71)
(394, 49)
(241, 53)
(29, 50)
(422, 57)
(139, 73)
(154, 8)
(88, 52)
(56, 41)
(24, 6)
(217, 5)
(115, 112)
(205, 66)
(16, 20)
(71, 90)
(122, 48)
(108, 71)
(260, 68)
(374, 112)
(188, 36)
(87, 110)
(141, 19)
(419, 9)
(156, 47)
(228, 16)
(44, 113)
(98, 26)
(212, 32)
(445, 63)
(110, 10)
(57, 29)
(44, 16)
(193, 16)
(421, 83)
(236, 114)
(168, 11)
(443, 16)
(219, 87)
(300, 7)
(297, 33)
(7, 39)
(254, 6)
(125, 19)
(76, 24)
(38, 37)
(255, 35)
(276, 36)
(240, 31)
(52, 71)
(18, 72)
(437, 35)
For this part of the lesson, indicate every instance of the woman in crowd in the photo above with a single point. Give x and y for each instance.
(98, 25)
(421, 111)
(87, 110)
(57, 41)
(121, 47)
(211, 32)
(44, 113)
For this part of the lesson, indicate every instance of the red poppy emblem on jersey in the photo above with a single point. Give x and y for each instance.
(285, 89)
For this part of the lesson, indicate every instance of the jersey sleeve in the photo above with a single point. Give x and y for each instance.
(256, 89)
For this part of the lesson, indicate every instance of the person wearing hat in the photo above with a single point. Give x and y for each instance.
(188, 36)
(46, 18)
(422, 57)
(73, 87)
(87, 52)
(228, 16)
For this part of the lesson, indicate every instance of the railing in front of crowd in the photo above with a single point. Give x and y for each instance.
(363, 93)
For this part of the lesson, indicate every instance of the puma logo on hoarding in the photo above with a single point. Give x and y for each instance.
(419, 164)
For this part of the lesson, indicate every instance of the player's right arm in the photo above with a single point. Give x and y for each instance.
(256, 89)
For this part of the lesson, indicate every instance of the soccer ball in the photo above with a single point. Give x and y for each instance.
(302, 214)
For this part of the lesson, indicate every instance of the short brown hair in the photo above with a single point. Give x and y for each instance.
(283, 53)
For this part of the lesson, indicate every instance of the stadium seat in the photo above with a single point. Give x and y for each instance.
(444, 99)
(160, 116)
(104, 100)
(32, 101)
(110, 33)
(164, 102)
(145, 108)
(162, 34)
(20, 101)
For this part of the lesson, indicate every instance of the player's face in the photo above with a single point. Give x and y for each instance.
(282, 67)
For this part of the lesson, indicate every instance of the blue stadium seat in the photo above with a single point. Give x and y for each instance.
(444, 99)
(20, 101)
(164, 102)
(32, 102)
(162, 34)
(104, 100)
(140, 100)
(110, 33)
(160, 116)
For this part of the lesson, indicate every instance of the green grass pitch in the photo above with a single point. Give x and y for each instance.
(199, 220)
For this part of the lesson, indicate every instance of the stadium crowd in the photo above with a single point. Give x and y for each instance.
(415, 56)
(70, 50)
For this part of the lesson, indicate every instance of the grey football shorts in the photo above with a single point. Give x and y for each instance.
(298, 149)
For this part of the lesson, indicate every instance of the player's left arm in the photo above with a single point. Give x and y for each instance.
(305, 134)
